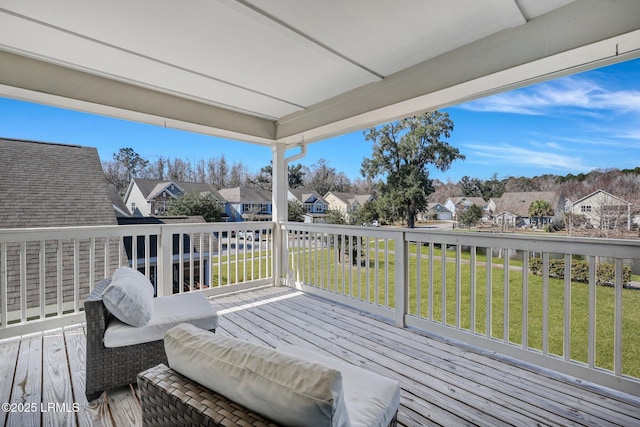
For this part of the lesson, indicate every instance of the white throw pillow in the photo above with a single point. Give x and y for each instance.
(288, 390)
(129, 297)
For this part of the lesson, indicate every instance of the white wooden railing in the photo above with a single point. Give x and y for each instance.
(477, 288)
(528, 304)
(46, 273)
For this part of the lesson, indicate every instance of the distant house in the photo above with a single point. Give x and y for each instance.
(53, 185)
(247, 204)
(435, 211)
(347, 203)
(315, 206)
(201, 254)
(119, 207)
(604, 210)
(456, 204)
(512, 209)
(146, 197)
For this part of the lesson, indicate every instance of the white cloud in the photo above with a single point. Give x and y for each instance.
(581, 95)
(632, 134)
(514, 155)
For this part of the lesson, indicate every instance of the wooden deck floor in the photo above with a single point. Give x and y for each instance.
(442, 383)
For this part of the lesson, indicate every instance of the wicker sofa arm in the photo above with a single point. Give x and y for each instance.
(96, 314)
(168, 398)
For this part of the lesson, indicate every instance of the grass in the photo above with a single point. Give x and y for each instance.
(374, 282)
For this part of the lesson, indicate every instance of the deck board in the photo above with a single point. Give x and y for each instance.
(27, 384)
(57, 409)
(443, 383)
(481, 384)
(8, 358)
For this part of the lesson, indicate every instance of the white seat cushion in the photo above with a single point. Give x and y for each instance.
(371, 399)
(168, 312)
(289, 390)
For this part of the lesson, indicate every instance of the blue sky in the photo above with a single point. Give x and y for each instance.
(569, 125)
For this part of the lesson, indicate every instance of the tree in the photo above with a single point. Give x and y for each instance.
(366, 213)
(402, 152)
(295, 211)
(335, 216)
(471, 216)
(471, 187)
(127, 164)
(323, 178)
(195, 203)
(264, 178)
(492, 188)
(538, 209)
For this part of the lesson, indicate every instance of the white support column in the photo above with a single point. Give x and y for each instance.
(279, 199)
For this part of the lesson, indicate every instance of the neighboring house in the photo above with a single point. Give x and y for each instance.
(347, 203)
(53, 185)
(456, 204)
(146, 197)
(247, 204)
(201, 253)
(119, 207)
(436, 211)
(512, 209)
(315, 206)
(604, 210)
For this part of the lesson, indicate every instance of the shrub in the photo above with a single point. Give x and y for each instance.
(605, 272)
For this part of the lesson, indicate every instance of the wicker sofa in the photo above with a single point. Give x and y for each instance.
(171, 399)
(222, 381)
(109, 367)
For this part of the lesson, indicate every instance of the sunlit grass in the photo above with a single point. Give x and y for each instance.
(372, 278)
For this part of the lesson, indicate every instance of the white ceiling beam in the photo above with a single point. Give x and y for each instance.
(582, 35)
(34, 80)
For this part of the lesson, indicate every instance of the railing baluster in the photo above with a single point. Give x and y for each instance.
(359, 268)
(505, 269)
(472, 286)
(592, 312)
(443, 285)
(41, 278)
(525, 299)
(107, 266)
(489, 294)
(4, 280)
(92, 263)
(59, 276)
(431, 284)
(567, 308)
(76, 275)
(134, 252)
(418, 278)
(375, 272)
(617, 327)
(545, 303)
(400, 279)
(23, 281)
(386, 269)
(458, 285)
(191, 258)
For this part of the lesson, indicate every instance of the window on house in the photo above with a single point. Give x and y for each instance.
(585, 208)
(133, 206)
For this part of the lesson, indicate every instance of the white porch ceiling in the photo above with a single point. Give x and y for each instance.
(285, 71)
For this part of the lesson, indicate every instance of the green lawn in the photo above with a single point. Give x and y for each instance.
(322, 268)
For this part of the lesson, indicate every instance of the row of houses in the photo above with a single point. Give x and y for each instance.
(598, 209)
(148, 197)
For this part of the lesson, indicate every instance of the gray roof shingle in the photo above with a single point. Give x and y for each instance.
(52, 185)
